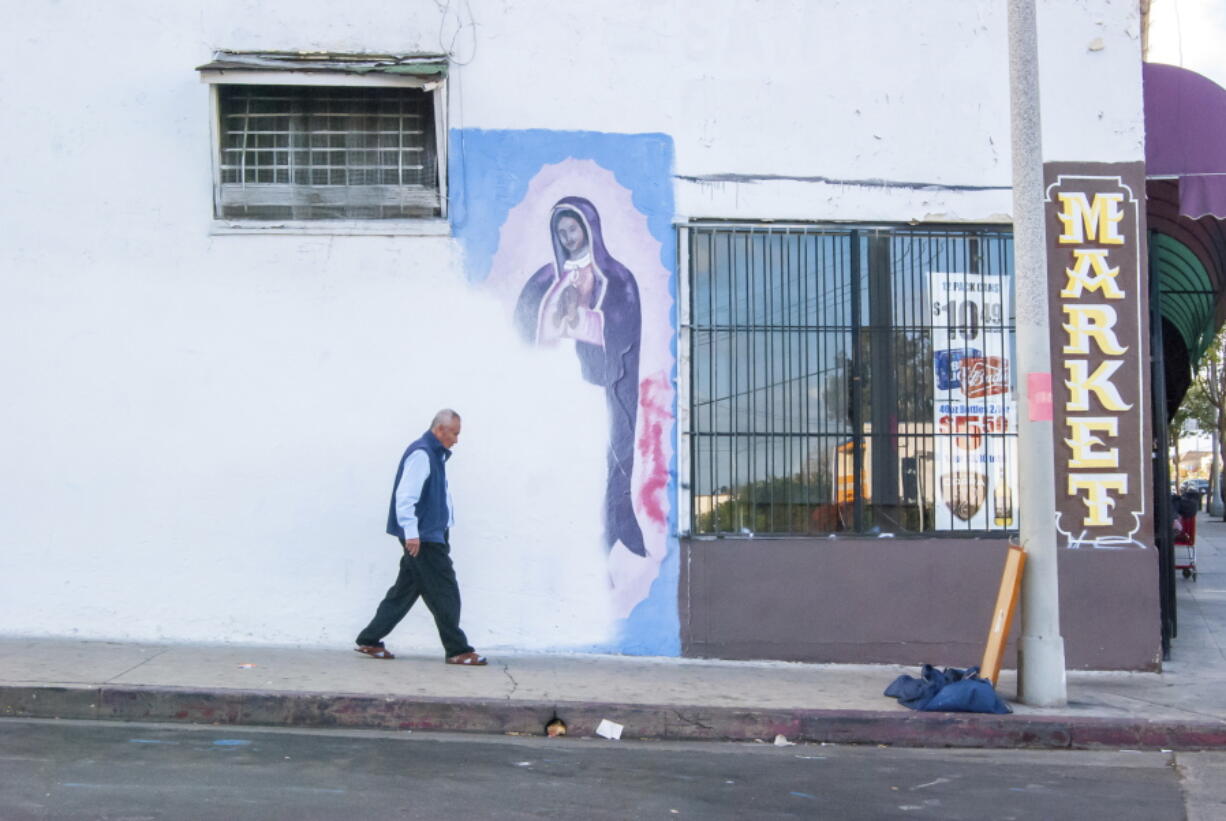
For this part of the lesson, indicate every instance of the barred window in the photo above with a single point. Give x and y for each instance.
(849, 379)
(326, 152)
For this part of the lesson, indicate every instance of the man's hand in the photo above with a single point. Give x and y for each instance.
(412, 547)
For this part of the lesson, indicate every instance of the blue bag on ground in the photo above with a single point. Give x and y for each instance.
(949, 690)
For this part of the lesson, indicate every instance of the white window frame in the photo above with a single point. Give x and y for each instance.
(685, 479)
(429, 226)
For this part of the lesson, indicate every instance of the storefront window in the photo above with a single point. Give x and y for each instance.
(851, 379)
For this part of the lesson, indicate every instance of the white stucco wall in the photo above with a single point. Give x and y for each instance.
(199, 431)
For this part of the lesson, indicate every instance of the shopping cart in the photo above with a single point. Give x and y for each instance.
(1185, 542)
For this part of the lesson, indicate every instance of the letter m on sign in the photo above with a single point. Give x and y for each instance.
(1091, 221)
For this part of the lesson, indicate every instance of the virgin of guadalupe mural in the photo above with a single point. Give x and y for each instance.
(587, 296)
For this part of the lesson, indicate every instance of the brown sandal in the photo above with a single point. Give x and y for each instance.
(469, 659)
(374, 651)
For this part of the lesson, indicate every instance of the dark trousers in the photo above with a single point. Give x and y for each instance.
(431, 576)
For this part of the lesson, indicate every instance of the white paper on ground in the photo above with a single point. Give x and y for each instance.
(609, 729)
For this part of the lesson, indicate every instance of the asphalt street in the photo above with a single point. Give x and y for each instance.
(96, 770)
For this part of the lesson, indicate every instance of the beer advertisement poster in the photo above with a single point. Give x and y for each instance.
(973, 410)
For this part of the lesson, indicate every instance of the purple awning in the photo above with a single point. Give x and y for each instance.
(1185, 136)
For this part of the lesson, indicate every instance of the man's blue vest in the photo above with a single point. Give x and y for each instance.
(432, 515)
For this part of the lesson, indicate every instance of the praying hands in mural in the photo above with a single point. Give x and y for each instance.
(587, 296)
(568, 308)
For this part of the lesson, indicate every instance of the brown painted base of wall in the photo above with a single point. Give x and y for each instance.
(903, 601)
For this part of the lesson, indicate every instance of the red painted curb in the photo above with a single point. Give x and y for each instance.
(640, 721)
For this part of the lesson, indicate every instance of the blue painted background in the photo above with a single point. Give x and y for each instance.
(488, 174)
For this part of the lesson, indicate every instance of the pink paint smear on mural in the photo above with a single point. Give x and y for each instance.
(655, 405)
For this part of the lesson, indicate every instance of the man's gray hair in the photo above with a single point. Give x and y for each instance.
(444, 417)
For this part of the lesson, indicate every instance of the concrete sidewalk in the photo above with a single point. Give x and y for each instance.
(1184, 707)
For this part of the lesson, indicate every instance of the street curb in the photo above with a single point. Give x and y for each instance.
(640, 721)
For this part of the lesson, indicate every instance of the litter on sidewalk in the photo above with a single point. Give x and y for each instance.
(555, 727)
(609, 729)
(950, 690)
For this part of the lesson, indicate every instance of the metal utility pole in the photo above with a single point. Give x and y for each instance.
(1041, 676)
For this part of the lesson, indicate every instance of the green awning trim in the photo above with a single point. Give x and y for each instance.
(1188, 295)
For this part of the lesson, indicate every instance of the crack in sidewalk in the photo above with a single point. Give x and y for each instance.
(514, 684)
(1188, 710)
(692, 721)
(144, 661)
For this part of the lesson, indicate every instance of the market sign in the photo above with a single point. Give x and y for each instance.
(1097, 293)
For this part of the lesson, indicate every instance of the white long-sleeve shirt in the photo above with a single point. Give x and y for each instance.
(412, 480)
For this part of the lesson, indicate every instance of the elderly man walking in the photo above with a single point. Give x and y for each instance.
(420, 517)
